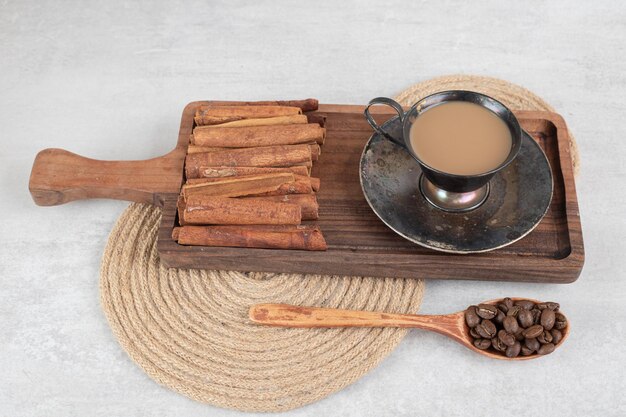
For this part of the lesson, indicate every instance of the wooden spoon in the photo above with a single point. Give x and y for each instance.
(451, 325)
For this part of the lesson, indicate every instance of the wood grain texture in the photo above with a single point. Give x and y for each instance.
(450, 325)
(59, 176)
(360, 244)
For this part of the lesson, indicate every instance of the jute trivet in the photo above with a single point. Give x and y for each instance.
(189, 329)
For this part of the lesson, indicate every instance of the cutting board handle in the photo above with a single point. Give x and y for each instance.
(59, 176)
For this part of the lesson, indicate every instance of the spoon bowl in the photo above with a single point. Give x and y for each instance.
(469, 343)
(451, 325)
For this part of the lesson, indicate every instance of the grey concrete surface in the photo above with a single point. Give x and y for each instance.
(109, 79)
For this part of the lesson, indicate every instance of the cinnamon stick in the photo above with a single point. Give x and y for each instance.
(319, 118)
(222, 172)
(269, 237)
(180, 208)
(303, 184)
(308, 167)
(297, 187)
(315, 184)
(201, 149)
(308, 104)
(253, 136)
(267, 121)
(199, 209)
(214, 114)
(239, 186)
(307, 202)
(315, 149)
(269, 156)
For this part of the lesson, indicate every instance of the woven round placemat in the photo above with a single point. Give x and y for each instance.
(511, 95)
(189, 329)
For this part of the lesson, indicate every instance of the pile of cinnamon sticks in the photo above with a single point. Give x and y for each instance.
(248, 176)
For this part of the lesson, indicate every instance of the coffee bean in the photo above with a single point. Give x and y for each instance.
(560, 322)
(547, 319)
(513, 311)
(516, 328)
(482, 344)
(486, 329)
(498, 345)
(546, 349)
(525, 304)
(536, 315)
(499, 318)
(510, 324)
(553, 306)
(506, 338)
(532, 344)
(514, 350)
(474, 333)
(471, 317)
(486, 311)
(533, 331)
(545, 337)
(549, 305)
(525, 318)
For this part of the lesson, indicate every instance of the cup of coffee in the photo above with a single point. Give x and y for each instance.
(460, 139)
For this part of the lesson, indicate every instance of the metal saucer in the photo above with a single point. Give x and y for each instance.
(519, 197)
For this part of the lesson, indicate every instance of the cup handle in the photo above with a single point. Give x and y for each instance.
(393, 104)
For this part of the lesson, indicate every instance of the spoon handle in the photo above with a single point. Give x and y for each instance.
(285, 315)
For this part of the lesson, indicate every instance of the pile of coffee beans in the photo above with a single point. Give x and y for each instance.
(514, 328)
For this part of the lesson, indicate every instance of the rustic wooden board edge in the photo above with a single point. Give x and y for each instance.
(441, 266)
(577, 253)
(59, 176)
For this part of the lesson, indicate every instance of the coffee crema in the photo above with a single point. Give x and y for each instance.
(460, 138)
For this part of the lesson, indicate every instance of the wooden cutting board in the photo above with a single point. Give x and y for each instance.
(358, 242)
